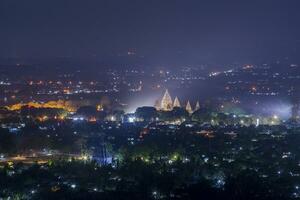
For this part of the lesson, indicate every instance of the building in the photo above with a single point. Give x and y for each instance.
(176, 103)
(188, 108)
(197, 107)
(166, 104)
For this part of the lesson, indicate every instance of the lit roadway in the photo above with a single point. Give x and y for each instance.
(40, 158)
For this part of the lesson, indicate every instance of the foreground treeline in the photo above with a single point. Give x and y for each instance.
(186, 161)
(131, 180)
(168, 163)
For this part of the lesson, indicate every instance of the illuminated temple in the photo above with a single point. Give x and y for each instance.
(167, 104)
(60, 104)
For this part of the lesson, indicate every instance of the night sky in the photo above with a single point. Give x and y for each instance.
(186, 30)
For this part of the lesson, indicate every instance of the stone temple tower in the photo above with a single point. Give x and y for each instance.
(197, 106)
(188, 107)
(166, 102)
(176, 103)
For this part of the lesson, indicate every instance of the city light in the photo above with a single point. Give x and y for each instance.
(156, 100)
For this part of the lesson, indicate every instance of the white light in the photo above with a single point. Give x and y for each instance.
(73, 186)
(85, 157)
(131, 119)
(257, 122)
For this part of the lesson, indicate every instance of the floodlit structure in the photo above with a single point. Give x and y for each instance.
(188, 108)
(197, 106)
(176, 103)
(166, 104)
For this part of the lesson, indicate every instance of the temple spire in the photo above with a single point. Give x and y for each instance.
(176, 103)
(166, 102)
(188, 108)
(197, 106)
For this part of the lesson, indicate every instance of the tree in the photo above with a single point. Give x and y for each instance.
(146, 113)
